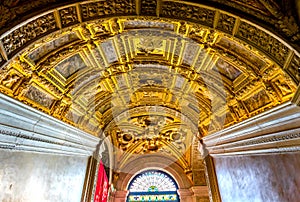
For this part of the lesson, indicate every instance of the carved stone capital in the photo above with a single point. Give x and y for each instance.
(202, 149)
(200, 191)
(118, 196)
(185, 194)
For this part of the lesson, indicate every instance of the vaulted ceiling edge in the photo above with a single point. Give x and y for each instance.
(281, 17)
(153, 75)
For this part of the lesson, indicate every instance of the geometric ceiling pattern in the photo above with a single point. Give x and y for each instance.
(152, 75)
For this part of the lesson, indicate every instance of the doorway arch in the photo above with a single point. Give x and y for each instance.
(152, 185)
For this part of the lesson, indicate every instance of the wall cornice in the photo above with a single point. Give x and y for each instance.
(27, 129)
(276, 130)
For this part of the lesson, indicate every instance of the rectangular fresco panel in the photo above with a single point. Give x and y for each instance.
(109, 51)
(39, 96)
(257, 101)
(121, 81)
(70, 66)
(227, 70)
(242, 52)
(41, 51)
(72, 116)
(96, 55)
(190, 51)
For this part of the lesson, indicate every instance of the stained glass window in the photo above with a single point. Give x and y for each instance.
(152, 185)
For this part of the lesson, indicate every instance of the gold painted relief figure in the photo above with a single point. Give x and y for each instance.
(242, 52)
(10, 80)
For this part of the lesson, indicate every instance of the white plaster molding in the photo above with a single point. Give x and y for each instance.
(276, 130)
(25, 128)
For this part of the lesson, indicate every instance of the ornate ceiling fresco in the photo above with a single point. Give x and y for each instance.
(152, 75)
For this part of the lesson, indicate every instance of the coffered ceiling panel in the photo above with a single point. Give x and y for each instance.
(152, 75)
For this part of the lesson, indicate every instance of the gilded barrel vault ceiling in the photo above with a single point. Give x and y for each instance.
(153, 75)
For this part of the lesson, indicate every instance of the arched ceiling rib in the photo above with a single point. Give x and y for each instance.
(101, 71)
(152, 74)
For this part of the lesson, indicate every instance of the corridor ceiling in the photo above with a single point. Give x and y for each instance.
(151, 74)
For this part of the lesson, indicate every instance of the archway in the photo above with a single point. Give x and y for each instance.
(153, 185)
(79, 61)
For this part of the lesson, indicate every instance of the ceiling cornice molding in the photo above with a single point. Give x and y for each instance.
(27, 129)
(271, 131)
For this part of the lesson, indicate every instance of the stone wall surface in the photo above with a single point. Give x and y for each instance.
(35, 177)
(259, 178)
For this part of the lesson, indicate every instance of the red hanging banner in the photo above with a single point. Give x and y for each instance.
(105, 187)
(99, 185)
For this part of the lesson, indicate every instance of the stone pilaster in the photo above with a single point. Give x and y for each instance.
(211, 179)
(200, 193)
(118, 196)
(185, 194)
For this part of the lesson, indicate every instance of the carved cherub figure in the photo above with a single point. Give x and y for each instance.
(10, 80)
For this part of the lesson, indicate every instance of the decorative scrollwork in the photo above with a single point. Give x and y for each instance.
(149, 7)
(294, 69)
(183, 11)
(226, 23)
(68, 16)
(107, 8)
(31, 31)
(263, 41)
(151, 134)
(1, 60)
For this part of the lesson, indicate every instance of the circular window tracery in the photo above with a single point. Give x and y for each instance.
(152, 185)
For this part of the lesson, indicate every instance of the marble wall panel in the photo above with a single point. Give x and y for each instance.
(33, 177)
(259, 178)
